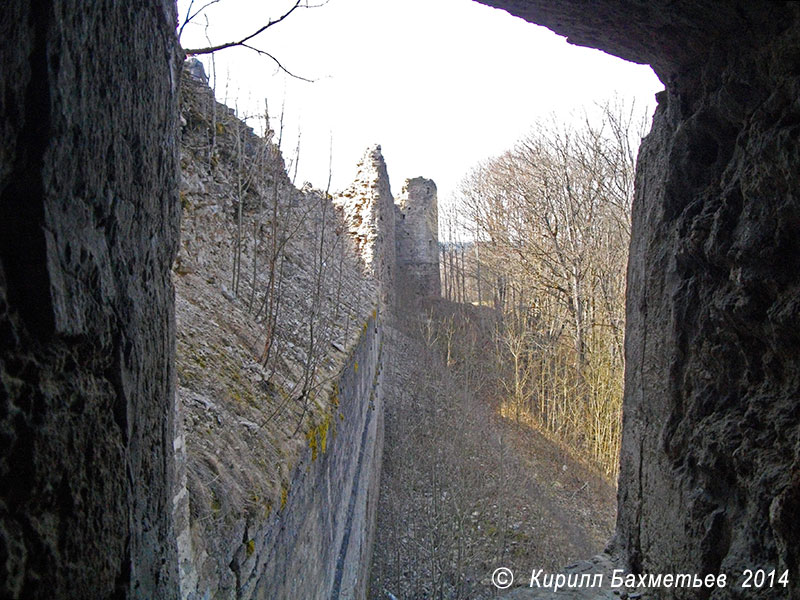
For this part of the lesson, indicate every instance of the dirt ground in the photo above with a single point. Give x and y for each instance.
(465, 491)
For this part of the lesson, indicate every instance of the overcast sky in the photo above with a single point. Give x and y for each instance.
(440, 84)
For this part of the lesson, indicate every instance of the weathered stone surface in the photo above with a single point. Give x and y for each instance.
(417, 239)
(196, 70)
(368, 208)
(711, 437)
(277, 475)
(88, 230)
(317, 543)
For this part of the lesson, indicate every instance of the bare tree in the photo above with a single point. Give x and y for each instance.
(552, 220)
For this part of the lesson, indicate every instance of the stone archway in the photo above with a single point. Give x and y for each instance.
(88, 208)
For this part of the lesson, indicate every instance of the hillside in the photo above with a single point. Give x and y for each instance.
(271, 302)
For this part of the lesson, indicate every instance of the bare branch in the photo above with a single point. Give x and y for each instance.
(190, 15)
(244, 40)
(243, 43)
(277, 62)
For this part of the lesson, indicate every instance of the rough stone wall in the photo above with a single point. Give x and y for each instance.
(275, 480)
(711, 438)
(368, 209)
(317, 543)
(417, 239)
(88, 230)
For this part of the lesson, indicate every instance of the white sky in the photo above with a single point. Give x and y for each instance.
(440, 84)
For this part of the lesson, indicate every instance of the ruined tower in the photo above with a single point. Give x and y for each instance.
(368, 209)
(417, 239)
(397, 240)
